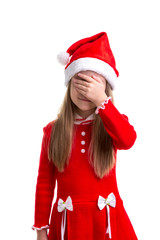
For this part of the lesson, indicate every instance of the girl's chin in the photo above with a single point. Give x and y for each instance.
(86, 103)
(85, 108)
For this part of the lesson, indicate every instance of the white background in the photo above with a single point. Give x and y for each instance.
(32, 88)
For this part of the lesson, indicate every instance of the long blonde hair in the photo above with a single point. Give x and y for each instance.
(101, 151)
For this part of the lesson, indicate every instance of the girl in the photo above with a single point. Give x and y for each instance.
(79, 150)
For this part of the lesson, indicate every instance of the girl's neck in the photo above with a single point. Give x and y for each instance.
(84, 114)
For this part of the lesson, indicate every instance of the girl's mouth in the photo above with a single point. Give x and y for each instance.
(84, 100)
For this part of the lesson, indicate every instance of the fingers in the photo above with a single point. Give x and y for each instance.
(80, 83)
(89, 78)
(97, 79)
(85, 77)
(80, 87)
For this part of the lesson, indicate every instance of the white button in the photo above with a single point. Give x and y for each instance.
(83, 142)
(82, 150)
(83, 133)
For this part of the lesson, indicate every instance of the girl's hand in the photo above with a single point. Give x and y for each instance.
(93, 88)
(42, 234)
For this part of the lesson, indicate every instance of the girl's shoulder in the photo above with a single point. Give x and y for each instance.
(48, 128)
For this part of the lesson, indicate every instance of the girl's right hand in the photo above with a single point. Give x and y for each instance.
(42, 234)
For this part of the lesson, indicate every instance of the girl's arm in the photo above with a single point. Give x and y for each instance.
(44, 187)
(118, 127)
(116, 124)
(42, 234)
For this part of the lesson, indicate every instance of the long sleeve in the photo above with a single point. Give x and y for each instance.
(118, 127)
(45, 186)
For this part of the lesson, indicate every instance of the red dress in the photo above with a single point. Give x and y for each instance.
(79, 183)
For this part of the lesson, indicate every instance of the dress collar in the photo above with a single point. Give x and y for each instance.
(80, 120)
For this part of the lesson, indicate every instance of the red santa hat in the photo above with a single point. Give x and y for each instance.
(92, 53)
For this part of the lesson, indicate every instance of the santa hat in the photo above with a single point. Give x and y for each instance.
(92, 53)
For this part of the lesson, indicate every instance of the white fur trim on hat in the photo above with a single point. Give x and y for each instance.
(92, 64)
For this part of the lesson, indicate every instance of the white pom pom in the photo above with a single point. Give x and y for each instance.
(63, 58)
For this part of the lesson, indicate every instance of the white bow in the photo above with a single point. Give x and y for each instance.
(63, 206)
(109, 201)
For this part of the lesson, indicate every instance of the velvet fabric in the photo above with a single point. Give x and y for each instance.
(96, 46)
(92, 53)
(79, 181)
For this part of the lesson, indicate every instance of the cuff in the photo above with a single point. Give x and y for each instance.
(40, 228)
(103, 106)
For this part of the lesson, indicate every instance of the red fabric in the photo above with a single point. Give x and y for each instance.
(96, 46)
(79, 182)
